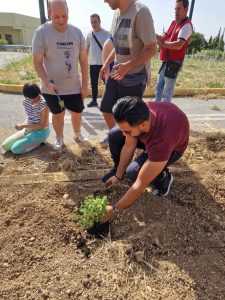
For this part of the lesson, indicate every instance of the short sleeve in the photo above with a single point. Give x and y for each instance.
(38, 43)
(185, 32)
(82, 41)
(42, 105)
(145, 26)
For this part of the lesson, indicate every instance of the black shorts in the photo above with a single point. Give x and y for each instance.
(72, 102)
(114, 91)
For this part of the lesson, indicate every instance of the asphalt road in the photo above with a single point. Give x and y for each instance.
(203, 116)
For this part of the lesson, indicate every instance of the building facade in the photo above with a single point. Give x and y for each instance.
(17, 29)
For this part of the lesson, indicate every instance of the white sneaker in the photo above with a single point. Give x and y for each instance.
(79, 137)
(58, 143)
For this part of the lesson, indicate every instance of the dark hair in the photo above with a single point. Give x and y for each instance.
(95, 16)
(132, 110)
(184, 2)
(31, 90)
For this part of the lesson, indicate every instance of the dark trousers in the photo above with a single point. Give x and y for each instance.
(94, 75)
(116, 142)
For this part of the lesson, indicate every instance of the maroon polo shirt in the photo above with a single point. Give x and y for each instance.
(169, 131)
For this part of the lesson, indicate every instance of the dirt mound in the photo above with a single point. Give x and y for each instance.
(170, 248)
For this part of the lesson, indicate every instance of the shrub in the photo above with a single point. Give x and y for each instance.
(216, 54)
(92, 210)
(3, 42)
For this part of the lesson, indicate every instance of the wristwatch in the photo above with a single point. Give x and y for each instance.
(115, 210)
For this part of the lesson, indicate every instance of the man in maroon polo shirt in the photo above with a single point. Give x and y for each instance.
(161, 129)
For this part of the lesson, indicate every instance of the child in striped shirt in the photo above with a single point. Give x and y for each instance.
(35, 130)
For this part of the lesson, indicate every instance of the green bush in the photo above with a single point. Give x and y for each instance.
(214, 85)
(28, 76)
(3, 42)
(216, 54)
(92, 210)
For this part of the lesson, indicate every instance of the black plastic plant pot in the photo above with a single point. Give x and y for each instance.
(99, 230)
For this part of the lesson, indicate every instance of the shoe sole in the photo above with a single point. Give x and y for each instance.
(168, 190)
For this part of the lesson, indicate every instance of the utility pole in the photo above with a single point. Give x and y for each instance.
(42, 11)
(191, 9)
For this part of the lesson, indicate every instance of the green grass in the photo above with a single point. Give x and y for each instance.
(195, 73)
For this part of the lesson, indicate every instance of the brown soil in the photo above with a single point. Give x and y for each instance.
(170, 248)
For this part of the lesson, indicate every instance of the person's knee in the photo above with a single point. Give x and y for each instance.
(5, 146)
(58, 116)
(16, 149)
(115, 134)
(132, 171)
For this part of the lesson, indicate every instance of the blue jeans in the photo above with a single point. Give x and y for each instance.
(116, 142)
(165, 86)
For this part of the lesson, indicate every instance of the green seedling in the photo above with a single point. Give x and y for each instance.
(92, 210)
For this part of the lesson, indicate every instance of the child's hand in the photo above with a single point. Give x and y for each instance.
(19, 126)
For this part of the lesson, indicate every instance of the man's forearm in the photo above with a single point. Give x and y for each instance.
(41, 72)
(147, 173)
(130, 196)
(84, 74)
(176, 45)
(110, 58)
(146, 55)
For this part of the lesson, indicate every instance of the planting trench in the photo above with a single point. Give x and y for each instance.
(170, 248)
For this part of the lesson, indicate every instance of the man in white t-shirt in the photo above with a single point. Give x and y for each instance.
(58, 48)
(174, 43)
(94, 42)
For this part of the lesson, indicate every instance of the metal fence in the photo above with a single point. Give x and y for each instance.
(201, 57)
(16, 48)
(205, 57)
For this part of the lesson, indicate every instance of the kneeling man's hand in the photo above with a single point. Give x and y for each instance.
(112, 181)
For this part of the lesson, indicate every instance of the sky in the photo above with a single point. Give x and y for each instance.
(208, 16)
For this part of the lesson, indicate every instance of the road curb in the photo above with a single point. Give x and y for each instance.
(181, 92)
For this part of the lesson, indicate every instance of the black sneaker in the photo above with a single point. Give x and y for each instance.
(109, 175)
(92, 103)
(163, 187)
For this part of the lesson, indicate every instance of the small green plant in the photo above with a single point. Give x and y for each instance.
(92, 210)
(3, 42)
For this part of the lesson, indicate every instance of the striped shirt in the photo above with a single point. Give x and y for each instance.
(34, 112)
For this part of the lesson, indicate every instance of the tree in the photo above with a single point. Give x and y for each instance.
(220, 45)
(209, 46)
(217, 38)
(197, 43)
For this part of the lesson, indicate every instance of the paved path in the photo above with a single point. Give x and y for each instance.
(203, 115)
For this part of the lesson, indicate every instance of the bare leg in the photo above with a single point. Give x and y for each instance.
(58, 123)
(76, 119)
(109, 119)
